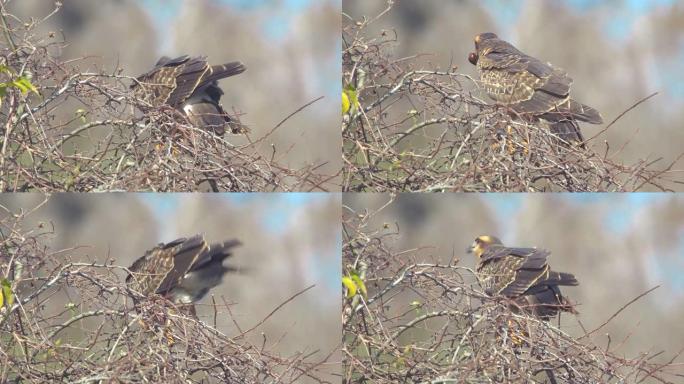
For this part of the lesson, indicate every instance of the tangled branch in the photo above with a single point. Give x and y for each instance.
(83, 131)
(428, 322)
(427, 131)
(98, 336)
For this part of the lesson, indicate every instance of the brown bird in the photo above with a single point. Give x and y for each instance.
(529, 86)
(190, 85)
(183, 270)
(523, 275)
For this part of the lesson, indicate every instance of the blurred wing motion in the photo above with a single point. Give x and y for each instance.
(529, 86)
(191, 86)
(183, 270)
(523, 275)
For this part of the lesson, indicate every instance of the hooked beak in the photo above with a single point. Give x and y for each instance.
(473, 57)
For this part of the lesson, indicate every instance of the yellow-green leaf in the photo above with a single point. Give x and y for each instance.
(7, 296)
(349, 93)
(24, 85)
(345, 103)
(3, 92)
(351, 287)
(81, 114)
(361, 286)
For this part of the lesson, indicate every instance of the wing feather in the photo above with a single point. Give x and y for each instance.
(528, 85)
(184, 257)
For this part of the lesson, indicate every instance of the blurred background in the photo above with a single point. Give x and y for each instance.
(291, 49)
(617, 245)
(617, 51)
(290, 241)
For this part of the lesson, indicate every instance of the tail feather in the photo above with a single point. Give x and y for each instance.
(567, 279)
(583, 112)
(547, 301)
(567, 130)
(560, 278)
(563, 120)
(217, 253)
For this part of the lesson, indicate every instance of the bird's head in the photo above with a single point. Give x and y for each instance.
(481, 41)
(483, 37)
(481, 244)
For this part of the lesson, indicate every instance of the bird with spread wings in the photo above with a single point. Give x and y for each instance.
(523, 275)
(190, 85)
(183, 270)
(530, 87)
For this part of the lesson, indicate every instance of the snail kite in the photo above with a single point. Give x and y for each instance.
(190, 85)
(530, 87)
(183, 270)
(522, 275)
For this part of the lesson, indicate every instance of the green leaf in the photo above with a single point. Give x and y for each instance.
(6, 295)
(81, 114)
(24, 85)
(345, 103)
(350, 100)
(359, 283)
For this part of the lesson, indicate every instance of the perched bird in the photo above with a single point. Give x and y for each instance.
(190, 85)
(530, 87)
(183, 270)
(522, 275)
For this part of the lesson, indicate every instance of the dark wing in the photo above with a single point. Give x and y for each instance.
(185, 257)
(566, 129)
(159, 84)
(546, 300)
(528, 85)
(147, 272)
(216, 253)
(162, 267)
(523, 273)
(513, 78)
(218, 72)
(512, 271)
(164, 60)
(197, 76)
(206, 273)
(182, 78)
(172, 81)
